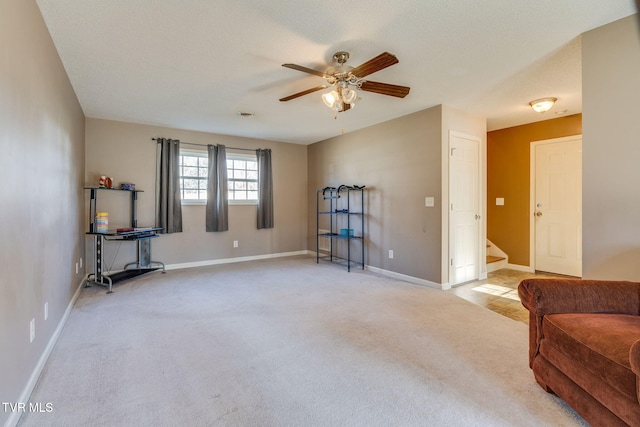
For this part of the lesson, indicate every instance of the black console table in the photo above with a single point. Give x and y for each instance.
(141, 235)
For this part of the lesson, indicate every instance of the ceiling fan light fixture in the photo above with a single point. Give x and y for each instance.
(343, 81)
(352, 104)
(349, 96)
(331, 99)
(543, 104)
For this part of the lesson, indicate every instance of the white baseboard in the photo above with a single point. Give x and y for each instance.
(399, 276)
(232, 260)
(524, 268)
(37, 371)
(498, 265)
(404, 277)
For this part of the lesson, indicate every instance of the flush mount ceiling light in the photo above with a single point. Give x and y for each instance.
(543, 104)
(344, 80)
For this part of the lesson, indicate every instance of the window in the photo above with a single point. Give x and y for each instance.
(242, 177)
(193, 176)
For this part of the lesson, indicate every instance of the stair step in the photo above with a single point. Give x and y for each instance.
(491, 258)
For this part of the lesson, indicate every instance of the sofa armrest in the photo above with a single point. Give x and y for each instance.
(548, 296)
(556, 295)
(634, 358)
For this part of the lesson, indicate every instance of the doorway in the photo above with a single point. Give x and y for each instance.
(556, 206)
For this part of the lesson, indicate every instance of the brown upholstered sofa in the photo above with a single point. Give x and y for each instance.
(584, 345)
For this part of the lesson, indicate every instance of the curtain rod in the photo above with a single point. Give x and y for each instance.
(205, 145)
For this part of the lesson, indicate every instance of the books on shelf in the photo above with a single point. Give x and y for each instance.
(102, 222)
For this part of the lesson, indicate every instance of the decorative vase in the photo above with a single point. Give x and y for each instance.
(102, 182)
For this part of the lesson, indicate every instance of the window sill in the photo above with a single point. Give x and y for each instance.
(231, 202)
(243, 202)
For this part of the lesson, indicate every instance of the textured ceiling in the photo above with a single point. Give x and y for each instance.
(194, 64)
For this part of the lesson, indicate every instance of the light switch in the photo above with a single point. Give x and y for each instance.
(429, 202)
(499, 201)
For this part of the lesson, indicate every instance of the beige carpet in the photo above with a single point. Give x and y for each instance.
(287, 342)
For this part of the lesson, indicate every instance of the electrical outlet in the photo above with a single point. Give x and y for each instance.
(46, 310)
(390, 253)
(235, 243)
(32, 330)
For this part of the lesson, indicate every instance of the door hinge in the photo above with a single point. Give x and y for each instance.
(452, 261)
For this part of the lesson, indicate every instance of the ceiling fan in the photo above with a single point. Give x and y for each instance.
(345, 80)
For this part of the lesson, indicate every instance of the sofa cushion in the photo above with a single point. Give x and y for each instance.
(599, 342)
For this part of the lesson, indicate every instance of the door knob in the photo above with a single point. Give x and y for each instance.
(538, 213)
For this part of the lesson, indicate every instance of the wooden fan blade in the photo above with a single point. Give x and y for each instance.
(304, 92)
(378, 63)
(307, 70)
(345, 107)
(385, 89)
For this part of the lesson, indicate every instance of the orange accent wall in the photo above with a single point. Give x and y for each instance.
(508, 175)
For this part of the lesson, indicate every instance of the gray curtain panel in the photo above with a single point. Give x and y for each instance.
(168, 206)
(217, 215)
(265, 189)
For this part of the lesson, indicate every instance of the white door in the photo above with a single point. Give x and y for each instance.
(557, 206)
(464, 209)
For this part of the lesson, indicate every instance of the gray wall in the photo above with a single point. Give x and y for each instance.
(125, 152)
(42, 173)
(400, 163)
(611, 151)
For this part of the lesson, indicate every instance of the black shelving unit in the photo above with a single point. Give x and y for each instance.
(340, 213)
(142, 236)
